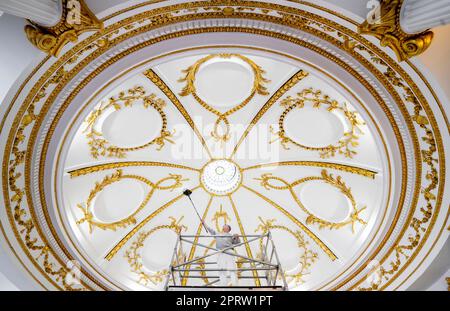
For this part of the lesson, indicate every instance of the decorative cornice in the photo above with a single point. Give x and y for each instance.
(76, 18)
(386, 27)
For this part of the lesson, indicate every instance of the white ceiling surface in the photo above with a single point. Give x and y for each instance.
(126, 195)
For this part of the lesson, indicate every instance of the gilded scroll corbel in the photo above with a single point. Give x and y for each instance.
(385, 25)
(76, 19)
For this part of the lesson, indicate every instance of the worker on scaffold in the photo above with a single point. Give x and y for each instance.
(225, 262)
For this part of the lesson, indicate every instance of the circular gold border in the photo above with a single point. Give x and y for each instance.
(441, 154)
(251, 48)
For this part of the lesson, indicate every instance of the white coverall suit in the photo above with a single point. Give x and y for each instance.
(225, 261)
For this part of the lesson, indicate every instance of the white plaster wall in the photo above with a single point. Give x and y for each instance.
(437, 57)
(16, 53)
(441, 283)
(6, 285)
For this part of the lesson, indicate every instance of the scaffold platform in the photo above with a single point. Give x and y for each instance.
(261, 272)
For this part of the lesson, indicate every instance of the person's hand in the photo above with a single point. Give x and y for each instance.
(236, 236)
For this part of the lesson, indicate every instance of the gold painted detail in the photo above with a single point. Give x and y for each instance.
(189, 89)
(99, 146)
(244, 238)
(318, 100)
(307, 257)
(152, 76)
(297, 77)
(220, 214)
(76, 19)
(41, 253)
(386, 27)
(168, 183)
(139, 226)
(336, 166)
(269, 181)
(295, 220)
(114, 165)
(430, 156)
(135, 259)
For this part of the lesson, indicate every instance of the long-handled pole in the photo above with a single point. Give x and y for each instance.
(188, 193)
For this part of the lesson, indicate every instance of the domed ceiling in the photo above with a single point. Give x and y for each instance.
(276, 118)
(266, 143)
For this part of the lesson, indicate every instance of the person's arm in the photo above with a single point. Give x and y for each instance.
(236, 239)
(211, 231)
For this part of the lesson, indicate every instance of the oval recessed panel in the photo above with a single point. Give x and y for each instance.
(118, 200)
(314, 127)
(158, 250)
(325, 201)
(132, 126)
(224, 83)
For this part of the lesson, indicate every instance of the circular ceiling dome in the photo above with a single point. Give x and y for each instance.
(328, 143)
(221, 177)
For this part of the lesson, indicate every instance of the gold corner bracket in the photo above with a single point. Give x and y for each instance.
(384, 23)
(76, 19)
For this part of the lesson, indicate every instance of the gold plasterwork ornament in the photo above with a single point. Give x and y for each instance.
(99, 146)
(386, 27)
(346, 144)
(170, 183)
(307, 256)
(76, 19)
(221, 131)
(134, 256)
(268, 181)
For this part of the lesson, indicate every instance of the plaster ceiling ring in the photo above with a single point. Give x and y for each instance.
(221, 177)
(351, 217)
(294, 275)
(101, 121)
(438, 146)
(135, 254)
(350, 122)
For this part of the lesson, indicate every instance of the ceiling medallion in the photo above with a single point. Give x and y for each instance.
(221, 177)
